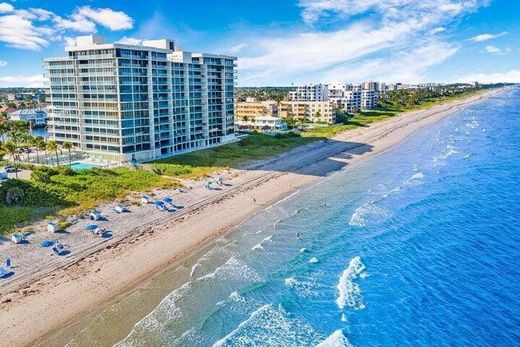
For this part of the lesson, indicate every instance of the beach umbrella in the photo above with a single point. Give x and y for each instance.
(92, 227)
(47, 243)
(159, 203)
(220, 179)
(167, 200)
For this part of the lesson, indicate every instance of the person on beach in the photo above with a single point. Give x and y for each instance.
(254, 200)
(298, 235)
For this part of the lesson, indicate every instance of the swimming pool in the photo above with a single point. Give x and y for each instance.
(81, 166)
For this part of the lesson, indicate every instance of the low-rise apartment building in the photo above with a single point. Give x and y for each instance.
(312, 111)
(251, 109)
(262, 123)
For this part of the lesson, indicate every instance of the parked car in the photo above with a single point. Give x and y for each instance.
(10, 168)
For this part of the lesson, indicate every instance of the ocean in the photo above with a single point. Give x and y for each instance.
(417, 246)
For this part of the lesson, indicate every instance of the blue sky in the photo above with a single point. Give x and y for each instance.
(284, 42)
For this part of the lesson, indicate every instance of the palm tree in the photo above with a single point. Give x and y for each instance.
(11, 148)
(3, 129)
(68, 146)
(38, 143)
(52, 146)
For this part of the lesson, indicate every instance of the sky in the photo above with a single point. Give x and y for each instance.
(283, 42)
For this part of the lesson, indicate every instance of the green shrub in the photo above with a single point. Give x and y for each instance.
(14, 196)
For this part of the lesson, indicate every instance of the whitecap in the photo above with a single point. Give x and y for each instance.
(257, 247)
(313, 260)
(303, 250)
(417, 176)
(349, 292)
(194, 268)
(336, 339)
(362, 213)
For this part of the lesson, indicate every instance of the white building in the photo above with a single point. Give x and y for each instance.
(262, 123)
(368, 99)
(123, 102)
(351, 101)
(309, 92)
(36, 116)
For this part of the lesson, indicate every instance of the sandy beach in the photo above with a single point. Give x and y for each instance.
(47, 291)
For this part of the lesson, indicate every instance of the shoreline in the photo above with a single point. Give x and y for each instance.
(108, 273)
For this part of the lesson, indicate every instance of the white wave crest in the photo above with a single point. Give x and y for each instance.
(349, 292)
(257, 247)
(336, 339)
(313, 260)
(363, 212)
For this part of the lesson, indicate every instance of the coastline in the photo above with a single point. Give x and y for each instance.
(108, 273)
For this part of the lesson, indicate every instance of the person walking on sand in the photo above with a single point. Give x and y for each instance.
(254, 200)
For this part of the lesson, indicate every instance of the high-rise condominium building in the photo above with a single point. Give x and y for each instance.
(123, 102)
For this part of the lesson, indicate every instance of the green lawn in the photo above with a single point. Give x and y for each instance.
(254, 147)
(67, 192)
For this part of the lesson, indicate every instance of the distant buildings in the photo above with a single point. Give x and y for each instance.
(310, 92)
(36, 116)
(124, 102)
(311, 111)
(343, 97)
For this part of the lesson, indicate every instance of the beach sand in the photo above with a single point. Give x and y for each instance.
(46, 293)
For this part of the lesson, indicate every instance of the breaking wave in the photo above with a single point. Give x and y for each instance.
(349, 292)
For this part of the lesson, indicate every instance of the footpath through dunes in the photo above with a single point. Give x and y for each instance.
(148, 241)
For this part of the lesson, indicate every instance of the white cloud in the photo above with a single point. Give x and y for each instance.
(19, 32)
(6, 8)
(75, 22)
(486, 37)
(313, 10)
(395, 31)
(437, 30)
(511, 76)
(69, 41)
(32, 81)
(237, 48)
(130, 41)
(3, 63)
(114, 20)
(33, 28)
(495, 50)
(408, 67)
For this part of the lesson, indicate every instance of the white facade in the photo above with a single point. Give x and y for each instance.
(368, 99)
(124, 102)
(310, 92)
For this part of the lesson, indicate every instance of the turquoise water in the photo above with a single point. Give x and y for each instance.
(81, 166)
(418, 246)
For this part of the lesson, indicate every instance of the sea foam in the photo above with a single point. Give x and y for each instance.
(349, 292)
(336, 339)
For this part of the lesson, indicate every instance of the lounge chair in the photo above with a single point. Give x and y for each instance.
(52, 227)
(95, 215)
(17, 238)
(160, 205)
(120, 209)
(5, 272)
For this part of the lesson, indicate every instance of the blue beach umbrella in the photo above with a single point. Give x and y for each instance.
(47, 243)
(92, 227)
(167, 200)
(159, 203)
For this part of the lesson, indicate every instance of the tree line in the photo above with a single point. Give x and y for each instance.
(17, 143)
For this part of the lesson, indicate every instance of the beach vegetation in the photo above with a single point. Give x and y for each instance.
(65, 192)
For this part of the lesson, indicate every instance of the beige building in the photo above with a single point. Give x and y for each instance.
(262, 123)
(252, 109)
(313, 111)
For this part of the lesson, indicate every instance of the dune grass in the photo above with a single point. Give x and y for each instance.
(202, 163)
(65, 192)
